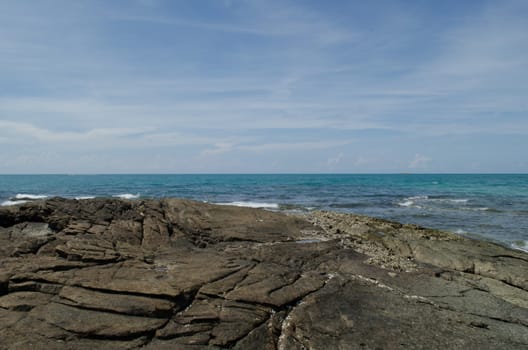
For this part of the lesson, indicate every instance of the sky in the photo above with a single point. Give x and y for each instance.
(272, 86)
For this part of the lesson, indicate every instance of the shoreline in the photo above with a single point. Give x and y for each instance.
(287, 209)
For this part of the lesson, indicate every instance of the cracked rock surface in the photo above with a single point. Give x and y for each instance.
(179, 274)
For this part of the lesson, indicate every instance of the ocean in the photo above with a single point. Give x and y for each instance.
(483, 206)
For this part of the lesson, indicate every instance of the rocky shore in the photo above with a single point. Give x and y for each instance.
(178, 274)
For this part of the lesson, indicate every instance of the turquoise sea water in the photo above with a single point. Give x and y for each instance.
(487, 206)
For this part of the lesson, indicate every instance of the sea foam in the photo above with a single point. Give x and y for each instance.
(252, 205)
(459, 200)
(415, 200)
(11, 202)
(520, 245)
(126, 196)
(25, 196)
(411, 201)
(407, 203)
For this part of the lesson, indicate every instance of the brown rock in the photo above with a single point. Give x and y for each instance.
(178, 274)
(94, 323)
(116, 303)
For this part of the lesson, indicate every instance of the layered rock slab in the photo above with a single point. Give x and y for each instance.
(178, 274)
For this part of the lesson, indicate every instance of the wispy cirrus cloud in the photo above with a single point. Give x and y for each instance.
(419, 161)
(25, 132)
(262, 146)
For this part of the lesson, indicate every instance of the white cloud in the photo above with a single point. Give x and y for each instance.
(225, 147)
(25, 132)
(268, 18)
(419, 161)
(290, 146)
(333, 161)
(219, 148)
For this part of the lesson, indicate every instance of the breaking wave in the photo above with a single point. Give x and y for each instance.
(126, 196)
(11, 202)
(26, 197)
(520, 245)
(252, 205)
(419, 201)
(22, 198)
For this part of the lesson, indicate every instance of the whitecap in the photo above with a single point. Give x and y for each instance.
(479, 209)
(407, 203)
(11, 202)
(126, 196)
(411, 201)
(419, 198)
(459, 200)
(252, 205)
(84, 197)
(25, 196)
(460, 231)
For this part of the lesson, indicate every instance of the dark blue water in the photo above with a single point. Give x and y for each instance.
(489, 206)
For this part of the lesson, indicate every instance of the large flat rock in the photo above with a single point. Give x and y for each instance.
(179, 274)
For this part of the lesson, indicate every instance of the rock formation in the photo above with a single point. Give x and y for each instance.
(178, 274)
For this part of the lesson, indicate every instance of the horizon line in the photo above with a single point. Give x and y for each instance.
(280, 173)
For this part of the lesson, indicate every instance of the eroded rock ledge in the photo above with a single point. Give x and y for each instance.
(178, 274)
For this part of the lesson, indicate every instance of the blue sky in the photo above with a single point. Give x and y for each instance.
(162, 86)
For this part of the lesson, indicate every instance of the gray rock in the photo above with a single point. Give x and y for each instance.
(178, 274)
